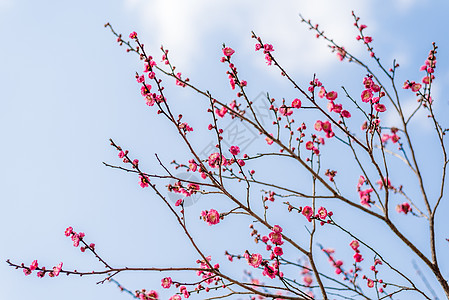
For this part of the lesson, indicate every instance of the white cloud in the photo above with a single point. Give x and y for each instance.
(184, 25)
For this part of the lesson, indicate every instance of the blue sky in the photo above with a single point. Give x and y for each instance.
(67, 88)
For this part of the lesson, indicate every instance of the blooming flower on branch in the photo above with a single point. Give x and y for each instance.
(367, 95)
(331, 95)
(380, 107)
(358, 257)
(166, 282)
(308, 213)
(278, 251)
(285, 111)
(341, 53)
(322, 213)
(228, 51)
(214, 160)
(144, 181)
(68, 231)
(296, 103)
(145, 90)
(254, 259)
(34, 265)
(57, 269)
(178, 82)
(268, 48)
(354, 245)
(212, 216)
(221, 112)
(403, 208)
(234, 150)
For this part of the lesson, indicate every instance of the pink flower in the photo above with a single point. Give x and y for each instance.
(334, 107)
(416, 87)
(309, 145)
(254, 260)
(368, 82)
(277, 229)
(57, 269)
(144, 181)
(285, 111)
(234, 150)
(322, 213)
(326, 126)
(166, 282)
(185, 293)
(192, 165)
(380, 107)
(268, 48)
(269, 271)
(133, 35)
(401, 208)
(318, 125)
(193, 187)
(307, 212)
(368, 39)
(345, 114)
(213, 217)
(228, 51)
(178, 82)
(258, 47)
(370, 283)
(145, 89)
(232, 83)
(341, 53)
(241, 162)
(68, 231)
(278, 251)
(268, 59)
(121, 154)
(331, 95)
(26, 271)
(276, 238)
(76, 240)
(178, 202)
(354, 245)
(322, 92)
(175, 297)
(296, 103)
(367, 95)
(185, 127)
(214, 160)
(34, 265)
(358, 257)
(151, 295)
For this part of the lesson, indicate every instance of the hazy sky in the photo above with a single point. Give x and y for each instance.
(67, 87)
